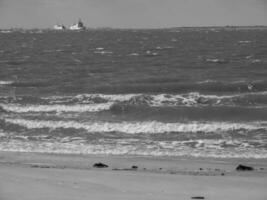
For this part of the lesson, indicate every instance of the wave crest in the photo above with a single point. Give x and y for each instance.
(56, 108)
(148, 127)
(121, 102)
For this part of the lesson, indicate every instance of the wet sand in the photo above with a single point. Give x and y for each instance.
(33, 176)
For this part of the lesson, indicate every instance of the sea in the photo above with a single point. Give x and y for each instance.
(190, 92)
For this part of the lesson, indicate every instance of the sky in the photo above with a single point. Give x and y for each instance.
(132, 13)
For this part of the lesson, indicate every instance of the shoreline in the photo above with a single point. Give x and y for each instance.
(63, 176)
(86, 161)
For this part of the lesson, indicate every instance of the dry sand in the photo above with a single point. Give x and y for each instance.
(33, 176)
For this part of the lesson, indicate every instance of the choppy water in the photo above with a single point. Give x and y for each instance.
(172, 92)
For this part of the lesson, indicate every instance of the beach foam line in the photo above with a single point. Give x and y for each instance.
(147, 127)
(56, 108)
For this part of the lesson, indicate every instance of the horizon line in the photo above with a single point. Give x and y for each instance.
(143, 28)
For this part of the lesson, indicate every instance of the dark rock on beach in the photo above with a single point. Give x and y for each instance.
(134, 167)
(244, 168)
(100, 165)
(198, 197)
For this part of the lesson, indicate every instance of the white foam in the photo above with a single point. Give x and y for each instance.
(148, 127)
(56, 108)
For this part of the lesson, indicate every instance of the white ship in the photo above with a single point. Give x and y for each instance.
(59, 27)
(77, 26)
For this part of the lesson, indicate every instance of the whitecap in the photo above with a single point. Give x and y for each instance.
(6, 82)
(150, 53)
(256, 61)
(77, 61)
(103, 52)
(5, 31)
(207, 81)
(164, 47)
(134, 54)
(244, 41)
(216, 60)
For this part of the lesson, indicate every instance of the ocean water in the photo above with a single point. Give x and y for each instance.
(198, 92)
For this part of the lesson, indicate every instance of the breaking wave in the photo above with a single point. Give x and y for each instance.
(101, 102)
(148, 127)
(203, 148)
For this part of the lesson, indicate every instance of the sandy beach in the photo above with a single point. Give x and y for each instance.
(27, 176)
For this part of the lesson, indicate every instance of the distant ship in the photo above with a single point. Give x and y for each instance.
(77, 26)
(59, 27)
